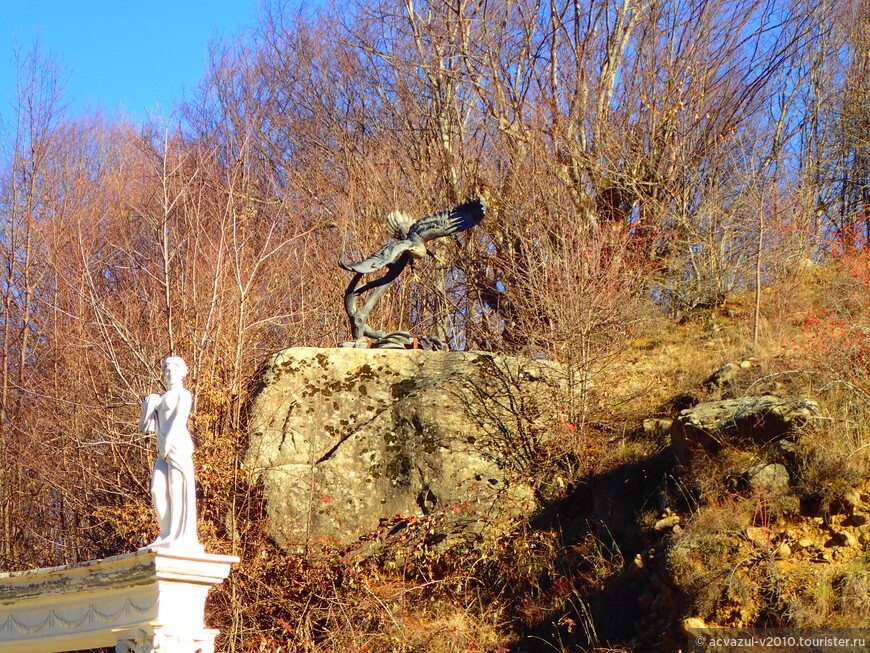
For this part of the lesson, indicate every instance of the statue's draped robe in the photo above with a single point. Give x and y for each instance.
(173, 471)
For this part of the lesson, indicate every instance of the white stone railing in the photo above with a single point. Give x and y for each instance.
(152, 601)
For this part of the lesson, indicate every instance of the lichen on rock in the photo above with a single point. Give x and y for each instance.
(343, 438)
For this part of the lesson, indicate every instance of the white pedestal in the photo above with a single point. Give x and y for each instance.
(145, 602)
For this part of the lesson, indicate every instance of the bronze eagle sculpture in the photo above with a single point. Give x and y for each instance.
(409, 244)
(412, 236)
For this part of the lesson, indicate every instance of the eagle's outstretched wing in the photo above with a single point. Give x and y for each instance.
(384, 256)
(398, 225)
(448, 222)
(425, 229)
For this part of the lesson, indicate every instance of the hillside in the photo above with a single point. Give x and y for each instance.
(629, 546)
(645, 167)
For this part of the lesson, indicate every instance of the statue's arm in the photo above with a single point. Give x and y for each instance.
(148, 416)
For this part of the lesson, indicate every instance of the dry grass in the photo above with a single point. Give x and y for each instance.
(561, 580)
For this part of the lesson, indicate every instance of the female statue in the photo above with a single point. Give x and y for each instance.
(172, 487)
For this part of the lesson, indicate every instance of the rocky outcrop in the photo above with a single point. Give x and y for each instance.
(343, 438)
(710, 426)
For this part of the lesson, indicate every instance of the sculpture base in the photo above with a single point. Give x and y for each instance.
(175, 548)
(397, 340)
(157, 638)
(135, 602)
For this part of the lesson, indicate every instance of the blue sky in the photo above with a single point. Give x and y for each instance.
(134, 57)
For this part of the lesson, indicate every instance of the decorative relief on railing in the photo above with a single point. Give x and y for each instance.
(151, 601)
(77, 618)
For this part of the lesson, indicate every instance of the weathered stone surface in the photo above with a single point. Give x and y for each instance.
(851, 501)
(803, 543)
(666, 522)
(725, 378)
(844, 538)
(782, 551)
(738, 422)
(759, 536)
(858, 519)
(769, 477)
(656, 428)
(342, 438)
(692, 624)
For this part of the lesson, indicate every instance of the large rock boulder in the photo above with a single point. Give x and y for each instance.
(343, 438)
(707, 427)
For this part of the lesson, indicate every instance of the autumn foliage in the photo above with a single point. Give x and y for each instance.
(636, 159)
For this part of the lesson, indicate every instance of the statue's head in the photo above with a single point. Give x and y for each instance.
(175, 366)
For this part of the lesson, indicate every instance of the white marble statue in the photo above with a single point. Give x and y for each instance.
(172, 487)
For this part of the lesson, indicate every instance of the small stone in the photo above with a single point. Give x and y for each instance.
(782, 552)
(758, 535)
(655, 428)
(845, 539)
(772, 477)
(852, 500)
(692, 623)
(666, 523)
(803, 543)
(859, 519)
(636, 569)
(724, 376)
